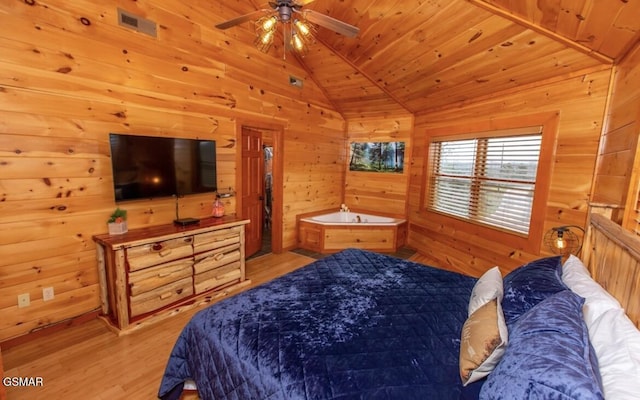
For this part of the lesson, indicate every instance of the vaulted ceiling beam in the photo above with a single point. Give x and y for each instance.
(541, 30)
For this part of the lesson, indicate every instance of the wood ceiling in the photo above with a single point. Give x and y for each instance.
(419, 55)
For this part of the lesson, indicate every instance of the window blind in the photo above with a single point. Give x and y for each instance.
(488, 179)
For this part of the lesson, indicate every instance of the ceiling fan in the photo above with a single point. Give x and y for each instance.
(297, 31)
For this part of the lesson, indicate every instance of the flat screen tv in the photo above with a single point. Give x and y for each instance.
(146, 167)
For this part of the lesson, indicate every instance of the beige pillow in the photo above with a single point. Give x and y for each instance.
(484, 340)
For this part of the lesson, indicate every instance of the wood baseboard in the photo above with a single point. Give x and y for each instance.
(48, 330)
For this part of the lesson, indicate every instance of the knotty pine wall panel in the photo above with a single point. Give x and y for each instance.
(379, 192)
(618, 171)
(64, 86)
(580, 102)
(310, 182)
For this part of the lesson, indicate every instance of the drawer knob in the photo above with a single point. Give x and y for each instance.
(164, 252)
(156, 246)
(164, 296)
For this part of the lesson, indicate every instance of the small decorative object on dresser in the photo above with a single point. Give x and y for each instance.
(218, 207)
(117, 223)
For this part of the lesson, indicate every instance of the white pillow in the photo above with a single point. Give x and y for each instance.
(487, 288)
(616, 341)
(597, 300)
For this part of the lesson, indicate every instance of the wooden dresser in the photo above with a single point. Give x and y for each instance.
(151, 273)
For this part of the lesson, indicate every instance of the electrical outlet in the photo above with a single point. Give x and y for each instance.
(24, 300)
(47, 293)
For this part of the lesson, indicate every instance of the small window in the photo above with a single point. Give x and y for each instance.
(489, 178)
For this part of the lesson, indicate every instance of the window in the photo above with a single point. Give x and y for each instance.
(487, 178)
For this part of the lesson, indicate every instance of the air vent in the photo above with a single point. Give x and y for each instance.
(293, 81)
(137, 23)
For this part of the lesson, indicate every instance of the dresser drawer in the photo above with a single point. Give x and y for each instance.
(216, 258)
(216, 239)
(147, 255)
(160, 297)
(217, 277)
(151, 278)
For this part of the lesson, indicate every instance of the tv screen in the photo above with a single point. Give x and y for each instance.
(146, 167)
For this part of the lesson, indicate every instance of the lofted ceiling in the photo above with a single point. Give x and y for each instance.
(418, 55)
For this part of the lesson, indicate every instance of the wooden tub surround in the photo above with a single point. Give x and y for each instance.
(330, 231)
(151, 273)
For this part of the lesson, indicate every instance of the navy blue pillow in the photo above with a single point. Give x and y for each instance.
(529, 284)
(549, 355)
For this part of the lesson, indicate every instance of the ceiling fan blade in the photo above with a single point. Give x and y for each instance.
(303, 2)
(241, 19)
(331, 23)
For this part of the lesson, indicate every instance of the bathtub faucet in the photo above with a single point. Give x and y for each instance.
(358, 220)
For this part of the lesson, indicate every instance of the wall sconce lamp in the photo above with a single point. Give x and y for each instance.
(563, 240)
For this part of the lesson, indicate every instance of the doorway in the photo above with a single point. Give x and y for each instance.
(261, 180)
(267, 209)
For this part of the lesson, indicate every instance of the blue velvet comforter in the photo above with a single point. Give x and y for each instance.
(353, 325)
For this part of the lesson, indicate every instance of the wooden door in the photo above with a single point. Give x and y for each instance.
(252, 188)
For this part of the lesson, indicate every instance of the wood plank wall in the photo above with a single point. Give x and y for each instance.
(618, 172)
(580, 101)
(379, 192)
(69, 75)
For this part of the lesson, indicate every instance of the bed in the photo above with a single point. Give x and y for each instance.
(363, 325)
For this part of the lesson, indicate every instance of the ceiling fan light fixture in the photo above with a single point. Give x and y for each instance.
(302, 36)
(265, 32)
(264, 40)
(298, 44)
(304, 28)
(298, 33)
(267, 23)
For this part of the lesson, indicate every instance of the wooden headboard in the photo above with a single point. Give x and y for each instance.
(612, 255)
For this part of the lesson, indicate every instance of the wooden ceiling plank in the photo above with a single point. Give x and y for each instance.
(456, 83)
(474, 90)
(598, 24)
(457, 50)
(543, 31)
(549, 11)
(311, 75)
(368, 14)
(438, 43)
(362, 9)
(511, 91)
(404, 47)
(408, 31)
(496, 60)
(624, 32)
(364, 74)
(571, 18)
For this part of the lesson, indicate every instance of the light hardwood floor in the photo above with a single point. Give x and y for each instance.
(89, 361)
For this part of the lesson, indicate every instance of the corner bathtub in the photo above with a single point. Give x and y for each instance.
(330, 232)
